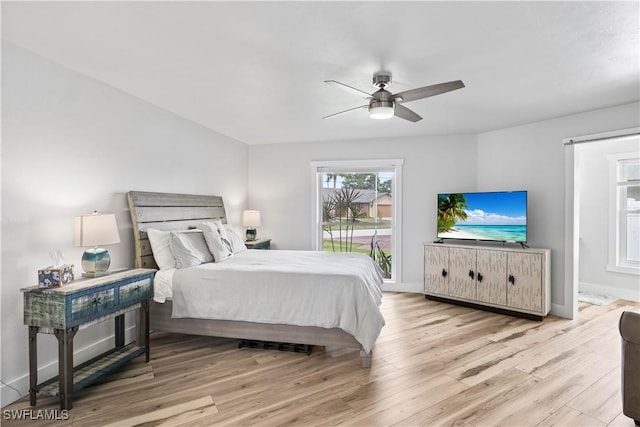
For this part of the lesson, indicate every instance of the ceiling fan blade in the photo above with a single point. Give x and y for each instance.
(405, 113)
(348, 88)
(427, 91)
(346, 111)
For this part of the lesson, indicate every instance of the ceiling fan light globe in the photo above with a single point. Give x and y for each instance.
(381, 110)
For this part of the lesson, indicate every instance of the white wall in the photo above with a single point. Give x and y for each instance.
(532, 157)
(593, 176)
(70, 145)
(280, 187)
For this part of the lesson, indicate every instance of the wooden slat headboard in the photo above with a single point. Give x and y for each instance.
(168, 211)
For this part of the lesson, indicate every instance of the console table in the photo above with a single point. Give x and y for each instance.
(80, 304)
(514, 281)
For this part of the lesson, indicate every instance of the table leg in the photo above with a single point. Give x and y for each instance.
(65, 364)
(119, 331)
(33, 364)
(142, 328)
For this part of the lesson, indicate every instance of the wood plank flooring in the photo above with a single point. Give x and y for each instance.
(434, 364)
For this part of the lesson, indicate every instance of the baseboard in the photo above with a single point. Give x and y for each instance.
(415, 288)
(595, 288)
(19, 387)
(561, 311)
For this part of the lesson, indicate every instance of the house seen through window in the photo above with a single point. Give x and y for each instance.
(356, 212)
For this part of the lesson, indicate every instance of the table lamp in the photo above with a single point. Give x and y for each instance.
(251, 220)
(93, 231)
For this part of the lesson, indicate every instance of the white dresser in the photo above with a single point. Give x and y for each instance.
(508, 280)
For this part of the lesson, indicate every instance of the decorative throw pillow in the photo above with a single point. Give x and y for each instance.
(221, 229)
(159, 240)
(221, 249)
(237, 244)
(189, 248)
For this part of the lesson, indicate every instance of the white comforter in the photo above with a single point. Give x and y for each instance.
(305, 288)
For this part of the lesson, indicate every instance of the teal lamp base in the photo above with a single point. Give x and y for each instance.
(96, 262)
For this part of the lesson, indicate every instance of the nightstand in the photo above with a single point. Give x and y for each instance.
(80, 304)
(258, 244)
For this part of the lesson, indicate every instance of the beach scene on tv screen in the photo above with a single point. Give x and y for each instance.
(483, 216)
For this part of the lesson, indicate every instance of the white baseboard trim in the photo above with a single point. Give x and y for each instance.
(598, 289)
(416, 288)
(19, 387)
(561, 311)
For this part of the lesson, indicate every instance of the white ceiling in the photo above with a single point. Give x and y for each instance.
(254, 70)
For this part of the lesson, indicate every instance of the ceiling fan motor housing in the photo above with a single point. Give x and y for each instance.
(381, 80)
(373, 104)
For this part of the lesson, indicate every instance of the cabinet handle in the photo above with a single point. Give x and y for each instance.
(512, 279)
(479, 277)
(471, 274)
(444, 273)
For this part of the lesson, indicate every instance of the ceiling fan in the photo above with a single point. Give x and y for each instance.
(384, 104)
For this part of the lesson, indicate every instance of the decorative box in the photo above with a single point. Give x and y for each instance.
(54, 277)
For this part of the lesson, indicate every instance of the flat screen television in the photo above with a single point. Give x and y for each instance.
(496, 216)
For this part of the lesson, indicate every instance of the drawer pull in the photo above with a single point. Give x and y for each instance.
(444, 273)
(471, 274)
(480, 277)
(96, 301)
(135, 290)
(512, 279)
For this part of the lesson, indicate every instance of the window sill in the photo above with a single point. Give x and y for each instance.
(624, 269)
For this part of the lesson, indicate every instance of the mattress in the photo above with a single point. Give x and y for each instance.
(304, 288)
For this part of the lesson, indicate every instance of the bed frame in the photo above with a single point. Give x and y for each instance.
(169, 211)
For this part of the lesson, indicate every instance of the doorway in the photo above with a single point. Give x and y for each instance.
(588, 235)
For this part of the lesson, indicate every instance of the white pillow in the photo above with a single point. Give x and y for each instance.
(221, 249)
(237, 244)
(189, 248)
(221, 229)
(162, 253)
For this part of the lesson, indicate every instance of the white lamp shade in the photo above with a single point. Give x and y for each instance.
(95, 230)
(251, 219)
(381, 112)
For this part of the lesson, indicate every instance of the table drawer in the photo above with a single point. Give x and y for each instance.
(95, 303)
(92, 305)
(135, 292)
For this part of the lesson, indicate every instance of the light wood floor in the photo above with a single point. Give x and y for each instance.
(434, 364)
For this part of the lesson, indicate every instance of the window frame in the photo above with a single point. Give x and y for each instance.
(391, 165)
(617, 248)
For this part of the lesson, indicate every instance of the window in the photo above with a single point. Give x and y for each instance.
(356, 208)
(624, 217)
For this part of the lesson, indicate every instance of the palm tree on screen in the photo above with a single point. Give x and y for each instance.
(450, 210)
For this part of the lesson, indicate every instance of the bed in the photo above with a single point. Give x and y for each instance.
(276, 271)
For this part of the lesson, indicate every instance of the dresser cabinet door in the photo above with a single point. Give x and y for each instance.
(462, 277)
(524, 281)
(491, 276)
(436, 270)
